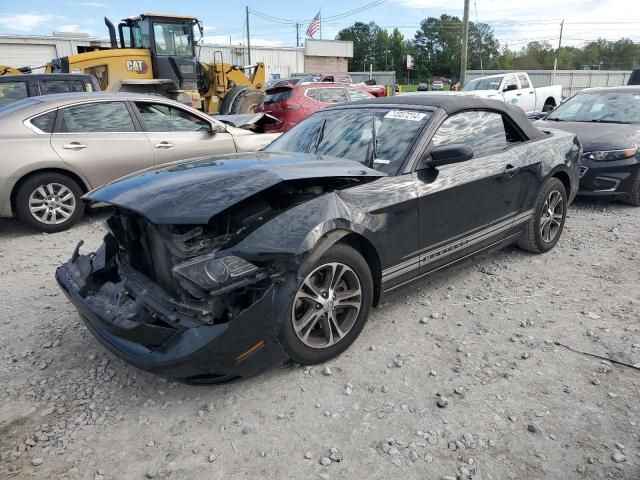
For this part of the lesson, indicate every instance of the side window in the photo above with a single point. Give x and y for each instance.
(524, 81)
(333, 95)
(483, 131)
(48, 87)
(510, 81)
(355, 94)
(76, 86)
(97, 117)
(101, 72)
(164, 118)
(313, 93)
(12, 92)
(45, 122)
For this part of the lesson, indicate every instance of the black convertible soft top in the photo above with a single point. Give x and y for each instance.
(454, 103)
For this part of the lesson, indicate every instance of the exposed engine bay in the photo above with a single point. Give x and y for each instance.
(171, 276)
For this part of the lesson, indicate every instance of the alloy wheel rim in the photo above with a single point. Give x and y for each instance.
(326, 305)
(552, 216)
(52, 204)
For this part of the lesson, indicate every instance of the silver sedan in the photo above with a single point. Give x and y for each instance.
(55, 148)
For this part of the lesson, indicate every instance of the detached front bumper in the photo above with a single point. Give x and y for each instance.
(195, 353)
(609, 179)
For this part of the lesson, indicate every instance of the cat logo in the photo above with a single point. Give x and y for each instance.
(138, 66)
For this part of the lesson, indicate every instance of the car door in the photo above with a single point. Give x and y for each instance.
(176, 134)
(100, 140)
(511, 90)
(466, 203)
(528, 97)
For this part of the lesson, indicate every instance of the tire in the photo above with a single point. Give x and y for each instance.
(634, 196)
(40, 190)
(350, 320)
(246, 102)
(547, 107)
(534, 239)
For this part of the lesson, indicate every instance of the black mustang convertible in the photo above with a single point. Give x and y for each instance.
(218, 267)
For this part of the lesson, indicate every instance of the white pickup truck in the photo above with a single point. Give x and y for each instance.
(517, 89)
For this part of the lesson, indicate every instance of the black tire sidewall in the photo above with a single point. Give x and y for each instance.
(549, 186)
(244, 99)
(298, 351)
(30, 184)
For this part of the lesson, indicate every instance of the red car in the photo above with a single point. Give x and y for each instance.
(292, 103)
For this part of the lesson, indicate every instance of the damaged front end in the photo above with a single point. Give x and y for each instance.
(175, 300)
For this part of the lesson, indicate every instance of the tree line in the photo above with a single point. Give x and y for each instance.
(435, 49)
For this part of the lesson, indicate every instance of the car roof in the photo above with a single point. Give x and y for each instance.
(451, 104)
(624, 89)
(44, 76)
(61, 99)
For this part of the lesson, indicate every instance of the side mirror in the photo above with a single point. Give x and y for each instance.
(446, 154)
(510, 88)
(215, 128)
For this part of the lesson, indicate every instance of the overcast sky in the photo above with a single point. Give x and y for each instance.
(514, 22)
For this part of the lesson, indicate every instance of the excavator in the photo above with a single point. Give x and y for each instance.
(156, 54)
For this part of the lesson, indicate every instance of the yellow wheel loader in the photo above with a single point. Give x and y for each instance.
(154, 53)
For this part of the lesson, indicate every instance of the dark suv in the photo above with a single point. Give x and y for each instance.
(17, 87)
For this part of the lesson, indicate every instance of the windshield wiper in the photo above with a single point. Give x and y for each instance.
(554, 119)
(599, 120)
(372, 149)
(320, 136)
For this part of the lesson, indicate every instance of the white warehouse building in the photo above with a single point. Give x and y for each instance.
(322, 56)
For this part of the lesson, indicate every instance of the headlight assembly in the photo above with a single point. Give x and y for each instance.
(211, 273)
(610, 155)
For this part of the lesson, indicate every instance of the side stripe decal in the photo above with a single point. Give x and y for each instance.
(443, 251)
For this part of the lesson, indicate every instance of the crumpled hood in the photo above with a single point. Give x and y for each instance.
(598, 136)
(193, 191)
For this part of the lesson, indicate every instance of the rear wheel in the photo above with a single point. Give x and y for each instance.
(545, 227)
(49, 202)
(548, 106)
(330, 307)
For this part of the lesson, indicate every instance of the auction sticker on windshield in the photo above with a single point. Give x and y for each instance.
(405, 115)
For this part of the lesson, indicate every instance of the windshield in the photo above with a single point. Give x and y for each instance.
(377, 137)
(605, 107)
(489, 83)
(173, 38)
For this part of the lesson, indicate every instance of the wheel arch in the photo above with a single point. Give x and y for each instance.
(362, 245)
(74, 176)
(564, 178)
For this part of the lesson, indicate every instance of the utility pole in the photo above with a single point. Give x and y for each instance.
(298, 34)
(248, 38)
(555, 62)
(465, 43)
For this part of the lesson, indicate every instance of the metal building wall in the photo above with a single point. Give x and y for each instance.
(572, 81)
(34, 51)
(281, 61)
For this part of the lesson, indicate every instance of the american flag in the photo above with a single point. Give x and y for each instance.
(314, 26)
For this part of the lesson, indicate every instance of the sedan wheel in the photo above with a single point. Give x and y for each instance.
(327, 305)
(52, 203)
(49, 202)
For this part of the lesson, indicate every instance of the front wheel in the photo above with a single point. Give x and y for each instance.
(545, 227)
(330, 307)
(634, 195)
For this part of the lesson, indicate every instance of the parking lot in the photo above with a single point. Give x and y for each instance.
(457, 374)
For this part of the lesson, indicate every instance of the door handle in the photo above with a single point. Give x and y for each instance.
(74, 146)
(518, 94)
(510, 171)
(164, 145)
(532, 92)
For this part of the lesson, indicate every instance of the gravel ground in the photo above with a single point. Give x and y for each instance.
(457, 376)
